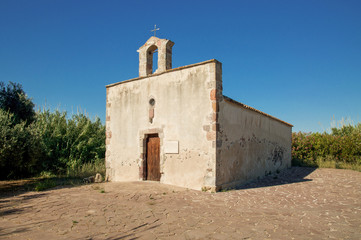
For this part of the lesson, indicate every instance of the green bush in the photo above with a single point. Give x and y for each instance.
(51, 143)
(67, 144)
(19, 147)
(44, 142)
(341, 148)
(44, 185)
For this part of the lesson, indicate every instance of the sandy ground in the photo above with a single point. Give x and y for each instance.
(300, 203)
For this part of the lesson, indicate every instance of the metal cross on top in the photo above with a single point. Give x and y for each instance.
(155, 29)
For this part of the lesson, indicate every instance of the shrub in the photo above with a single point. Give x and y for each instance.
(33, 143)
(52, 144)
(341, 148)
(67, 144)
(44, 185)
(19, 148)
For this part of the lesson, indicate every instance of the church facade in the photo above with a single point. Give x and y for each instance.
(176, 126)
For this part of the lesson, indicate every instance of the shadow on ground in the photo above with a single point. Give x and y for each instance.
(17, 187)
(13, 206)
(288, 176)
(5, 232)
(21, 228)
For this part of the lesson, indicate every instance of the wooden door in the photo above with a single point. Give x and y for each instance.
(153, 158)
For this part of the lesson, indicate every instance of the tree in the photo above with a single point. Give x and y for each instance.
(19, 148)
(13, 99)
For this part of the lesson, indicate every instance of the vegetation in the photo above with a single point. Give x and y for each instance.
(60, 150)
(13, 99)
(339, 149)
(46, 143)
(43, 185)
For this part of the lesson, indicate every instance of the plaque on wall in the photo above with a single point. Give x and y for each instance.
(171, 147)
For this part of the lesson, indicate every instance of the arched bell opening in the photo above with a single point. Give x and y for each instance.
(152, 59)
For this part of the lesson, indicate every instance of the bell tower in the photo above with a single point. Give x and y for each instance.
(155, 45)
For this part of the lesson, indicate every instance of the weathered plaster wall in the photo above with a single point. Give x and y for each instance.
(250, 145)
(183, 112)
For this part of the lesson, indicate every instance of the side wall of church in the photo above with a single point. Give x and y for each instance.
(250, 145)
(182, 116)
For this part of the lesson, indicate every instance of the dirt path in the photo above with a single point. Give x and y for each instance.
(300, 203)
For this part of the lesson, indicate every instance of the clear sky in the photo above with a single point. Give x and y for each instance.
(299, 61)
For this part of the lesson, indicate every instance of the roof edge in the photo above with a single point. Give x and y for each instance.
(167, 71)
(230, 100)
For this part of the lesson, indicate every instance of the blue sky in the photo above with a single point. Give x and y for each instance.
(299, 61)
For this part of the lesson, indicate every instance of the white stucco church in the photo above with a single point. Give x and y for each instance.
(175, 126)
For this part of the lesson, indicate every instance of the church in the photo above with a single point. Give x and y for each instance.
(175, 126)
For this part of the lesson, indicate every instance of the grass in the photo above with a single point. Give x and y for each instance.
(327, 162)
(99, 188)
(339, 165)
(86, 170)
(47, 180)
(226, 189)
(73, 177)
(74, 223)
(44, 185)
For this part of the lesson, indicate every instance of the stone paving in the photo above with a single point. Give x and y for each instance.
(300, 203)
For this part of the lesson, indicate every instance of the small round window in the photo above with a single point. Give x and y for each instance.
(152, 102)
